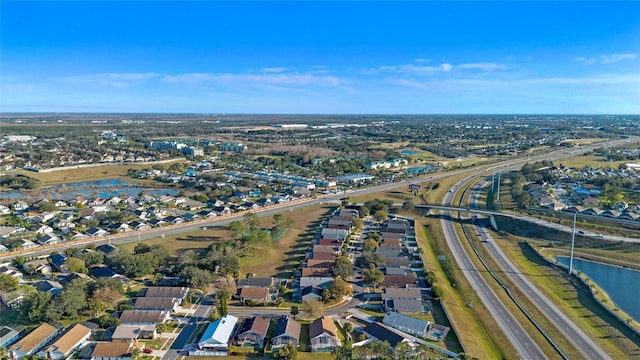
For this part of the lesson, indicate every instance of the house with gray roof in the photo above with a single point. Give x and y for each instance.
(406, 324)
(8, 336)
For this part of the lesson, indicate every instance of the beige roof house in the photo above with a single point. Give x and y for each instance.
(36, 339)
(73, 339)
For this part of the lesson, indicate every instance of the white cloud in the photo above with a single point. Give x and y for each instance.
(274, 69)
(606, 58)
(485, 66)
(614, 58)
(431, 70)
(228, 79)
(586, 60)
(407, 83)
(109, 79)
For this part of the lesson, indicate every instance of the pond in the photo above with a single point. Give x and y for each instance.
(102, 188)
(409, 152)
(621, 284)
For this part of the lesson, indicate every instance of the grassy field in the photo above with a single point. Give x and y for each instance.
(593, 161)
(279, 260)
(88, 174)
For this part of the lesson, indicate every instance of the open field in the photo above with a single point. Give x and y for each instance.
(88, 174)
(593, 161)
(587, 141)
(279, 260)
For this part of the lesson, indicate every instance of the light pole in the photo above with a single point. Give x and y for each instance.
(573, 239)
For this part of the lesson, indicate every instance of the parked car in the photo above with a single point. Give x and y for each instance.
(147, 351)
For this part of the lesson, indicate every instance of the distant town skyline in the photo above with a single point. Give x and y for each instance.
(321, 57)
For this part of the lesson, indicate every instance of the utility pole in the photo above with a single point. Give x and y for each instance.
(493, 178)
(573, 239)
(498, 194)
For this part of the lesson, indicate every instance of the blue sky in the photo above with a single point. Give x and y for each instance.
(320, 57)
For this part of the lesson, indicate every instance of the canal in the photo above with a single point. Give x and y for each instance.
(621, 284)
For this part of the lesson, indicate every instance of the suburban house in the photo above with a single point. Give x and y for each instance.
(49, 286)
(114, 351)
(48, 239)
(75, 338)
(143, 317)
(8, 336)
(157, 303)
(311, 293)
(323, 335)
(129, 333)
(215, 340)
(37, 266)
(178, 292)
(95, 232)
(259, 294)
(255, 282)
(35, 340)
(381, 333)
(406, 324)
(391, 296)
(286, 332)
(253, 332)
(406, 306)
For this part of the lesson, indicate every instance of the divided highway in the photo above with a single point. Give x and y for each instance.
(524, 344)
(572, 332)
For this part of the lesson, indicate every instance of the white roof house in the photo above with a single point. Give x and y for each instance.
(216, 338)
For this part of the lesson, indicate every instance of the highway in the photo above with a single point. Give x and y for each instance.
(571, 331)
(524, 344)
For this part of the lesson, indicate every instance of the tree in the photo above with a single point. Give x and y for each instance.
(311, 309)
(223, 299)
(90, 257)
(106, 321)
(437, 293)
(69, 302)
(344, 351)
(236, 228)
(339, 288)
(294, 311)
(373, 276)
(430, 277)
(407, 204)
(370, 245)
(141, 249)
(380, 215)
(8, 283)
(343, 267)
(368, 259)
(136, 353)
(102, 298)
(196, 277)
(251, 220)
(75, 265)
(34, 304)
(347, 327)
(403, 351)
(287, 352)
